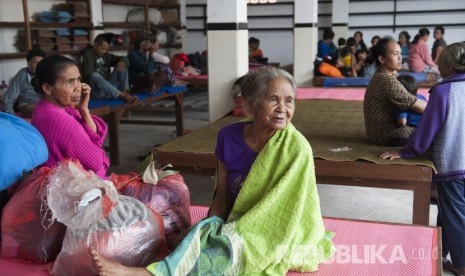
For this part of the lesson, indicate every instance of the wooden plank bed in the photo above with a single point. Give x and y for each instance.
(328, 125)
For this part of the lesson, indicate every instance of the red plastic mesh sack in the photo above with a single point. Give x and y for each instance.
(121, 228)
(169, 197)
(27, 229)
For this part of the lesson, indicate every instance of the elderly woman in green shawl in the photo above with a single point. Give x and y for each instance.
(265, 215)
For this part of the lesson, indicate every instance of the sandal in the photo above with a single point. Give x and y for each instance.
(447, 265)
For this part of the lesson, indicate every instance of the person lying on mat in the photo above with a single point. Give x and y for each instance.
(63, 117)
(441, 129)
(265, 213)
(409, 117)
(384, 94)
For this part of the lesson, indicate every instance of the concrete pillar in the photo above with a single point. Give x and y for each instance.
(305, 40)
(96, 18)
(227, 44)
(340, 19)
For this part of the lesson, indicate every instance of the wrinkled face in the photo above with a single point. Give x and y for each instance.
(32, 64)
(437, 34)
(276, 108)
(67, 89)
(101, 49)
(392, 61)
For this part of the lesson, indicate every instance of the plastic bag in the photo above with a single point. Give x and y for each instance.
(121, 228)
(169, 197)
(27, 228)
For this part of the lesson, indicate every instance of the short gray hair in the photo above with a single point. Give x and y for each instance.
(256, 84)
(453, 56)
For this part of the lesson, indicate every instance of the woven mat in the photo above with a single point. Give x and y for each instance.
(367, 248)
(327, 124)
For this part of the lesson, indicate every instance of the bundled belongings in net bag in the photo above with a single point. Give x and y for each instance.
(121, 228)
(28, 230)
(165, 192)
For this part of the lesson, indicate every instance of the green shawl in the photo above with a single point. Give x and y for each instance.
(275, 224)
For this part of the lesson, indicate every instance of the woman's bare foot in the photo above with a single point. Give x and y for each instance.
(106, 267)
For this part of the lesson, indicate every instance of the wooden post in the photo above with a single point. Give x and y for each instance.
(27, 26)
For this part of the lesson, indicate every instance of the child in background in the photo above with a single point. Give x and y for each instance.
(255, 53)
(409, 117)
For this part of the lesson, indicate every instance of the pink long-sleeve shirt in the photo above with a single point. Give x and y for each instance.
(419, 57)
(68, 136)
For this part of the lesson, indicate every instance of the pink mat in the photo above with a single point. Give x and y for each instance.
(364, 248)
(396, 249)
(341, 93)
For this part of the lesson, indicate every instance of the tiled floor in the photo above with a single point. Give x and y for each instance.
(336, 201)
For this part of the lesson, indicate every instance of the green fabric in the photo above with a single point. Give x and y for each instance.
(277, 212)
(275, 224)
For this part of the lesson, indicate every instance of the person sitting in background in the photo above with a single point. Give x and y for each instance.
(21, 91)
(404, 42)
(327, 61)
(374, 41)
(96, 68)
(253, 191)
(153, 51)
(359, 43)
(409, 117)
(63, 117)
(385, 94)
(419, 58)
(441, 130)
(353, 60)
(341, 43)
(141, 70)
(255, 53)
(439, 43)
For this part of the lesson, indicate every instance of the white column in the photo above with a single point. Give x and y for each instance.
(227, 44)
(305, 40)
(340, 19)
(96, 18)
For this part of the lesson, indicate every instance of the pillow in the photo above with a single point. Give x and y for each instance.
(329, 70)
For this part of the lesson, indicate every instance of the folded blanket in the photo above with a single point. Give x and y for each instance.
(275, 224)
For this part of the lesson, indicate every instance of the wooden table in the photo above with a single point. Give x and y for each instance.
(112, 111)
(194, 153)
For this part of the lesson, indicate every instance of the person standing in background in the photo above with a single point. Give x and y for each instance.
(439, 43)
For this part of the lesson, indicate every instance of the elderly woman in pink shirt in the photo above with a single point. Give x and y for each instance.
(63, 117)
(419, 59)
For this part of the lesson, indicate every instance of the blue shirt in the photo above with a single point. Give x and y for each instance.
(238, 158)
(413, 118)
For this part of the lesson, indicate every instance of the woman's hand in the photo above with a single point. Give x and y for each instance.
(84, 107)
(391, 155)
(85, 97)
